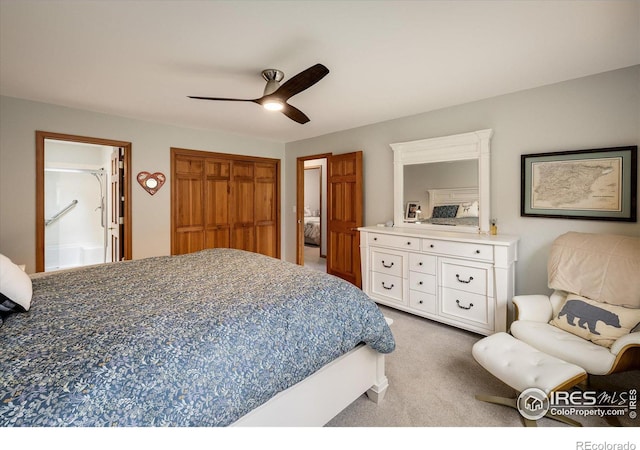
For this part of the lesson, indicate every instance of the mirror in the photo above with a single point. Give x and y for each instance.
(447, 178)
(151, 182)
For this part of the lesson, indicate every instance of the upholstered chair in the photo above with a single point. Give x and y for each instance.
(592, 317)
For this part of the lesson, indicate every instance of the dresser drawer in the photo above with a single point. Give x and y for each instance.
(403, 242)
(423, 282)
(480, 252)
(466, 277)
(422, 263)
(387, 262)
(472, 308)
(387, 286)
(422, 302)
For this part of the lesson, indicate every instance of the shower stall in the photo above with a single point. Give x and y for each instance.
(76, 218)
(76, 207)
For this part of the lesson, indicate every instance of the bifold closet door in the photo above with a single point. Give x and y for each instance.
(266, 209)
(243, 230)
(222, 200)
(188, 198)
(216, 203)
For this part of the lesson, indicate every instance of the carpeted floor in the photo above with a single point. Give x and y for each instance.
(433, 380)
(313, 260)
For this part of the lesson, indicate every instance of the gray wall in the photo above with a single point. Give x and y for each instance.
(592, 112)
(151, 143)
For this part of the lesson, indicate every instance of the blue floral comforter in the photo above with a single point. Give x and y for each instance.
(189, 340)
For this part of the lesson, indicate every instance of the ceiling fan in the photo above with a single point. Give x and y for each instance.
(275, 96)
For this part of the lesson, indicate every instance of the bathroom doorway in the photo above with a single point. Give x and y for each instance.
(82, 201)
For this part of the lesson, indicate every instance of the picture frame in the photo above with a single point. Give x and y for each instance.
(593, 184)
(411, 211)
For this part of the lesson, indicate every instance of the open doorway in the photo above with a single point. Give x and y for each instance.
(82, 201)
(311, 204)
(315, 214)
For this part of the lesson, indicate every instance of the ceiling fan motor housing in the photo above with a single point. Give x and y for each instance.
(273, 78)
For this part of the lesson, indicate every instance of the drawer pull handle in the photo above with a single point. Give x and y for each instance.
(431, 245)
(409, 243)
(420, 302)
(388, 267)
(464, 307)
(464, 281)
(420, 283)
(478, 251)
(375, 238)
(387, 288)
(420, 263)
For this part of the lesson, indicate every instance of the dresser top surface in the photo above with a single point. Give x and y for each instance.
(501, 239)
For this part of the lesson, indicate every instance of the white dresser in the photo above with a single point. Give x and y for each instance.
(461, 279)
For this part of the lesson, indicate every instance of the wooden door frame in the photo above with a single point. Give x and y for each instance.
(300, 203)
(41, 136)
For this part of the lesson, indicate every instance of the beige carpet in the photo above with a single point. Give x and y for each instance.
(433, 379)
(313, 260)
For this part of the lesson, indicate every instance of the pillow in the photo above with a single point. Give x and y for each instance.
(444, 211)
(15, 287)
(600, 323)
(468, 210)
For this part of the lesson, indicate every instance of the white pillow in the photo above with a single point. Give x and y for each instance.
(468, 210)
(15, 287)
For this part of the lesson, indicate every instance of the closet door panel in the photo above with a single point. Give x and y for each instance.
(266, 211)
(217, 205)
(243, 206)
(189, 207)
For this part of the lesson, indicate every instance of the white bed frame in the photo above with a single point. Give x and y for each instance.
(453, 196)
(318, 398)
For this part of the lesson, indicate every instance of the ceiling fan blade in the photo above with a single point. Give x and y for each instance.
(225, 99)
(302, 81)
(294, 113)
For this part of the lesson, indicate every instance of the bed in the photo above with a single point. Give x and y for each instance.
(214, 338)
(454, 207)
(312, 230)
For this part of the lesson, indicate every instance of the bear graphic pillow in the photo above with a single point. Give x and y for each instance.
(598, 322)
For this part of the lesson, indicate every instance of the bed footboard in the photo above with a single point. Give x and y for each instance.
(317, 399)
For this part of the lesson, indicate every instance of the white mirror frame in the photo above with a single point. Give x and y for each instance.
(473, 145)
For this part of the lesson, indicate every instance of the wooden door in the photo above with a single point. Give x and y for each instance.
(266, 210)
(216, 203)
(188, 197)
(243, 206)
(115, 198)
(344, 216)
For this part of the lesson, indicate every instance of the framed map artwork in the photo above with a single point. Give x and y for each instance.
(595, 184)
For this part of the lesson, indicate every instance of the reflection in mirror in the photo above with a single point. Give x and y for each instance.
(419, 179)
(449, 178)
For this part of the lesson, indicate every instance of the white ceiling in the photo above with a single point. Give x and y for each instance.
(388, 59)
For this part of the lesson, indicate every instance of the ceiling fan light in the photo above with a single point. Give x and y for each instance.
(273, 105)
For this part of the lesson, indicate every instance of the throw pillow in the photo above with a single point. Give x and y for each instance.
(15, 287)
(598, 322)
(444, 211)
(468, 210)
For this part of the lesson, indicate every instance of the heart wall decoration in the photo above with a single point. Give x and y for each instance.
(151, 182)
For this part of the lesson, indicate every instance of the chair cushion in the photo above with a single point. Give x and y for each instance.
(521, 366)
(598, 322)
(595, 359)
